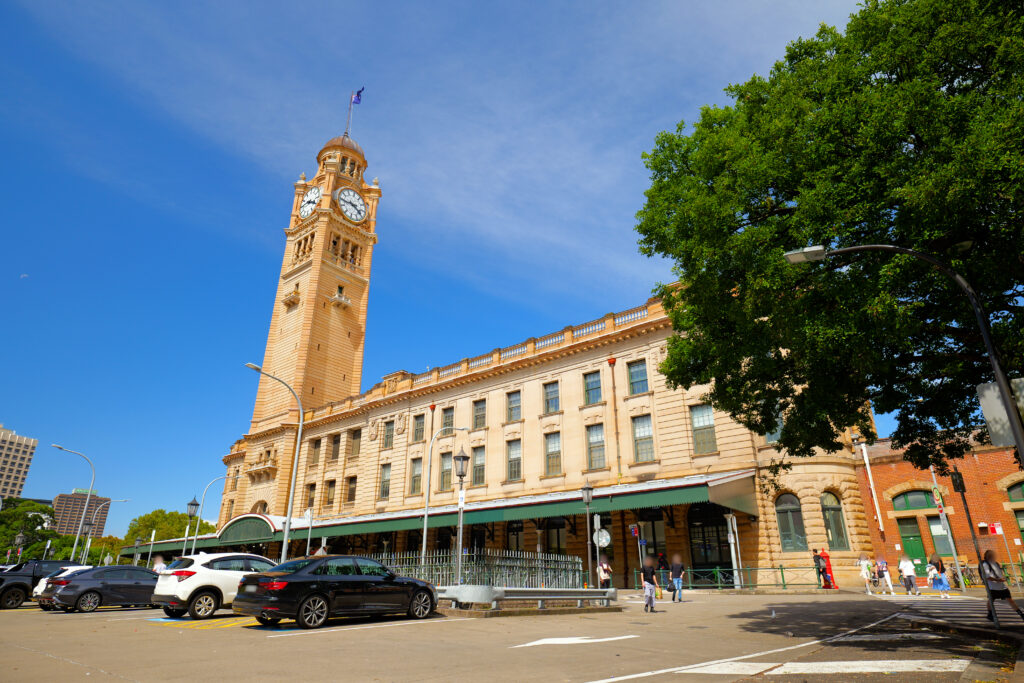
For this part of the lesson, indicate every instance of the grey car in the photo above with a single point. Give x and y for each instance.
(88, 589)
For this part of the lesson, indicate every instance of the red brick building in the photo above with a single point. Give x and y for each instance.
(910, 519)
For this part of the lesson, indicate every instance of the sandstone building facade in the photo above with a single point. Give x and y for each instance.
(538, 419)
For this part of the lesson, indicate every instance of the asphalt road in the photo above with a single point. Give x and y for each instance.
(709, 637)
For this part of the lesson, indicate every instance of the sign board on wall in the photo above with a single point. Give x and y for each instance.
(897, 546)
(996, 528)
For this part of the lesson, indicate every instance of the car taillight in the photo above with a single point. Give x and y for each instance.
(274, 585)
(59, 582)
(182, 574)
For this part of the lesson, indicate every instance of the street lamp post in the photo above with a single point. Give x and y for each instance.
(135, 559)
(92, 525)
(202, 503)
(192, 508)
(819, 252)
(461, 461)
(19, 541)
(587, 493)
(295, 460)
(87, 531)
(426, 485)
(88, 495)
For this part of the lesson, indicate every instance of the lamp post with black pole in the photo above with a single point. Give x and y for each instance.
(192, 508)
(461, 463)
(19, 541)
(587, 493)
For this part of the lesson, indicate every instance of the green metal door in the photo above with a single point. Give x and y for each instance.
(913, 546)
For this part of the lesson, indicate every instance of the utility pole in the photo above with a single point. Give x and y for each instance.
(945, 526)
(958, 486)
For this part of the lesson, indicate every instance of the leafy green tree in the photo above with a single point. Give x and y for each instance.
(167, 525)
(907, 129)
(26, 517)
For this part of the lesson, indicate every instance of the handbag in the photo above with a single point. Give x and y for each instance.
(657, 592)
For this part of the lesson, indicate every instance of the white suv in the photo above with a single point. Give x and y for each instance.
(201, 584)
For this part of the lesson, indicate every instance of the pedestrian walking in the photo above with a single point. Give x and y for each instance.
(604, 572)
(819, 564)
(909, 575)
(866, 572)
(158, 563)
(995, 582)
(830, 578)
(650, 575)
(677, 569)
(882, 569)
(937, 575)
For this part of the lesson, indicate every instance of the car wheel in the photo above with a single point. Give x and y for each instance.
(88, 602)
(268, 621)
(421, 605)
(202, 605)
(12, 598)
(173, 612)
(312, 612)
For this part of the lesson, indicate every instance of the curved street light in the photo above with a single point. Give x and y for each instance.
(819, 252)
(426, 488)
(295, 460)
(92, 525)
(88, 495)
(202, 503)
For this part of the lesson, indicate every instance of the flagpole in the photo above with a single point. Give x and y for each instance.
(348, 121)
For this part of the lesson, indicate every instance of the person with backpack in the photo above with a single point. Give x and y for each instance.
(819, 565)
(995, 582)
(882, 568)
(937, 575)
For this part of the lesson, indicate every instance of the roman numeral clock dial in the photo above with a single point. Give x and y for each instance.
(309, 202)
(351, 204)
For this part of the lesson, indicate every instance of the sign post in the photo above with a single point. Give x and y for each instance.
(945, 527)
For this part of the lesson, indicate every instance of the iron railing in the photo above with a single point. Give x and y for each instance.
(750, 577)
(490, 567)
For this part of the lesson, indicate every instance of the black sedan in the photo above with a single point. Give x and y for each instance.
(313, 589)
(88, 589)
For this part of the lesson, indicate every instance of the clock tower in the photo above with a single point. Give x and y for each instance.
(318, 326)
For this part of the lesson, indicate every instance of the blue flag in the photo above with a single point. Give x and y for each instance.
(358, 97)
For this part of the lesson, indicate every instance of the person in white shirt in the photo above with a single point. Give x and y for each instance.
(909, 576)
(995, 582)
(865, 572)
(158, 563)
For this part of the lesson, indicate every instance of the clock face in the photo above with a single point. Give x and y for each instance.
(309, 202)
(352, 205)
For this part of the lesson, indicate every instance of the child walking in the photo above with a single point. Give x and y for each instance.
(650, 575)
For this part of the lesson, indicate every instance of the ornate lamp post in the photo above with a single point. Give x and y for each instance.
(461, 462)
(191, 508)
(138, 542)
(19, 541)
(587, 493)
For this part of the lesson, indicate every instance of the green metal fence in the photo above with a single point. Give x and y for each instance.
(750, 577)
(490, 567)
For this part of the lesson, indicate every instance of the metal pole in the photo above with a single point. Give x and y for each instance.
(92, 525)
(195, 534)
(152, 537)
(427, 484)
(949, 534)
(88, 495)
(1012, 414)
(590, 551)
(967, 511)
(184, 548)
(871, 484)
(458, 559)
(295, 461)
(309, 526)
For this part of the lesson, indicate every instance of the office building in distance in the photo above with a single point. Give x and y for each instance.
(15, 458)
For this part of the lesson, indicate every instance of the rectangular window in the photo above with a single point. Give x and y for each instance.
(389, 434)
(350, 490)
(513, 407)
(595, 447)
(314, 453)
(553, 453)
(479, 463)
(514, 456)
(329, 494)
(773, 436)
(234, 480)
(551, 397)
(355, 440)
(418, 423)
(385, 482)
(445, 479)
(479, 414)
(643, 439)
(637, 377)
(231, 509)
(703, 419)
(335, 447)
(415, 476)
(939, 537)
(310, 495)
(448, 420)
(591, 388)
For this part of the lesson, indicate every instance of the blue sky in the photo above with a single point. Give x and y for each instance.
(149, 152)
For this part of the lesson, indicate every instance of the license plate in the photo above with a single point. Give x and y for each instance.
(249, 588)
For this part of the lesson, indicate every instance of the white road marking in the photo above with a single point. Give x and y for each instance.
(572, 640)
(732, 668)
(887, 636)
(359, 628)
(869, 666)
(686, 668)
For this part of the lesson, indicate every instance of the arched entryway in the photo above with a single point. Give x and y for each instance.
(709, 536)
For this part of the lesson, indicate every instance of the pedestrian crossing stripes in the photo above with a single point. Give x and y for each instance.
(959, 609)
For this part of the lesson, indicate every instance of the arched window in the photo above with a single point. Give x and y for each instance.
(261, 508)
(835, 528)
(1016, 492)
(791, 523)
(913, 500)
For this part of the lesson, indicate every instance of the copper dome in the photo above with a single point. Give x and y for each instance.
(343, 142)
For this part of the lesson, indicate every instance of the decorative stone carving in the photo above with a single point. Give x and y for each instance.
(591, 419)
(401, 419)
(639, 408)
(371, 431)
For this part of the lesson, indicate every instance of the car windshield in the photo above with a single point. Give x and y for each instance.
(56, 572)
(290, 567)
(181, 563)
(16, 567)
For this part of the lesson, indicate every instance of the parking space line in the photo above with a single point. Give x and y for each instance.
(870, 666)
(359, 628)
